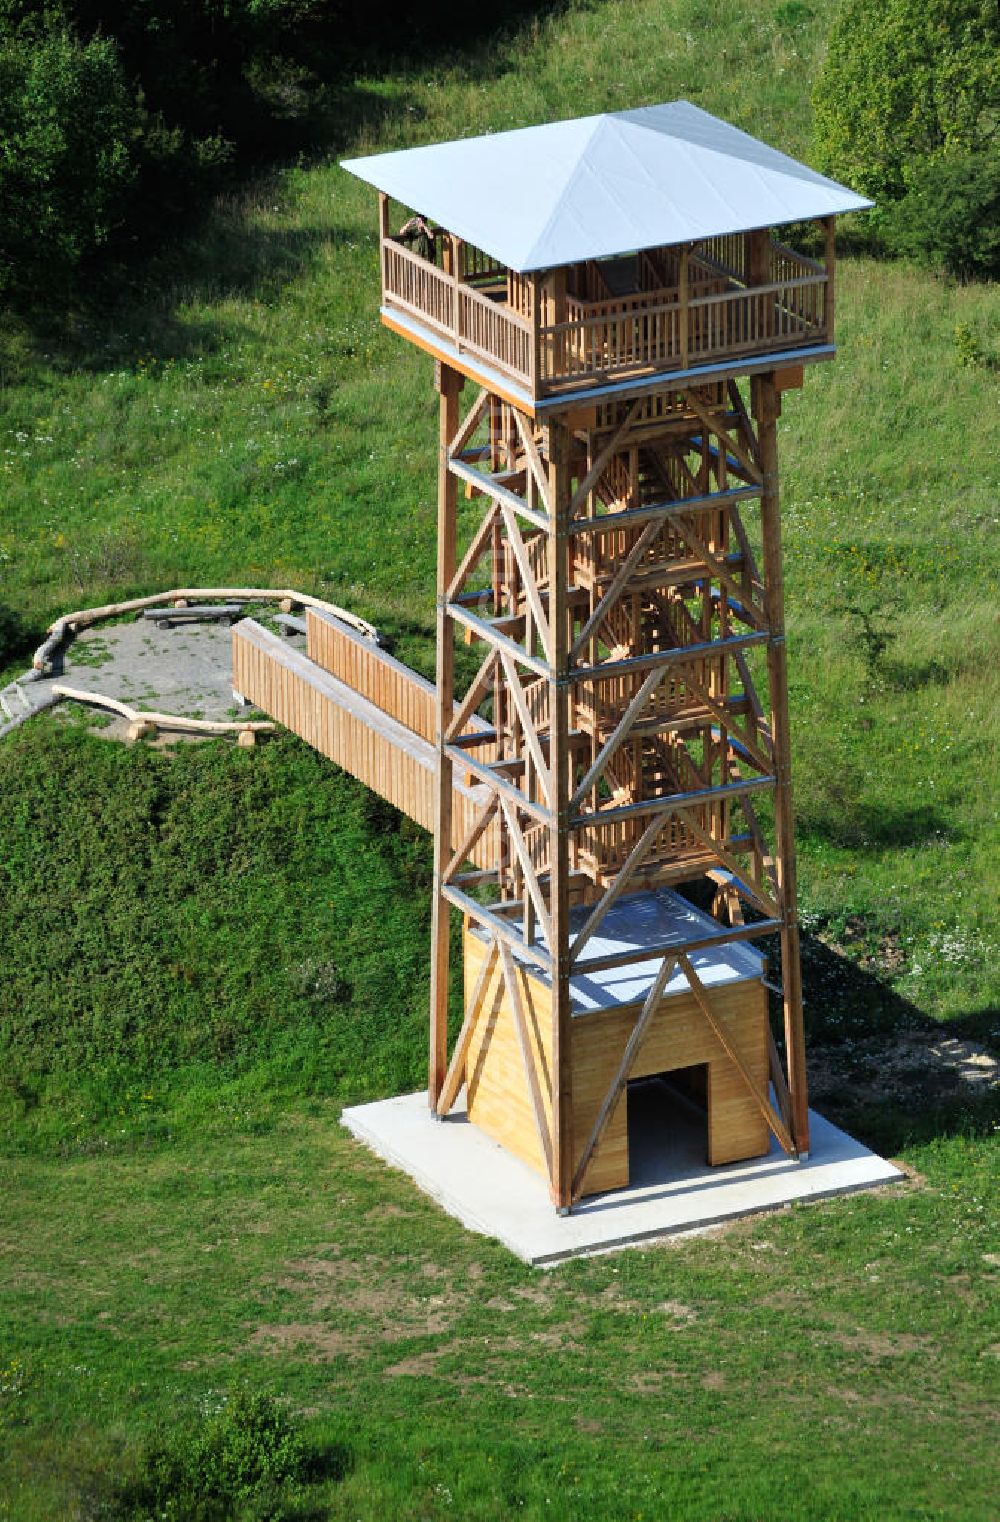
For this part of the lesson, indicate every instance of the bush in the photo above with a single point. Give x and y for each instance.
(17, 639)
(905, 82)
(249, 1460)
(68, 125)
(949, 218)
(120, 114)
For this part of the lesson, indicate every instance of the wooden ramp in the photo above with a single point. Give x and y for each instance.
(365, 711)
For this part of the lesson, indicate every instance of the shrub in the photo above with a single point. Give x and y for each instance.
(17, 640)
(248, 1460)
(904, 82)
(949, 218)
(68, 124)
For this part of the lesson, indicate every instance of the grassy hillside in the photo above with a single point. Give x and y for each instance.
(204, 955)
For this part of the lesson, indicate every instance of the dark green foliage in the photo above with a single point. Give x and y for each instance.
(949, 218)
(902, 82)
(17, 639)
(118, 115)
(68, 123)
(211, 907)
(246, 1463)
(792, 14)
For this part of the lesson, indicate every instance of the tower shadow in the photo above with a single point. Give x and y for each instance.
(881, 1068)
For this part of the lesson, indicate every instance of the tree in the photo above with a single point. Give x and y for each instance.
(905, 82)
(950, 217)
(68, 123)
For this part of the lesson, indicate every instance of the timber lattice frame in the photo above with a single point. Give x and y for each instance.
(623, 620)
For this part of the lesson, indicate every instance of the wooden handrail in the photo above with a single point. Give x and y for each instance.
(797, 258)
(513, 318)
(760, 290)
(624, 316)
(648, 330)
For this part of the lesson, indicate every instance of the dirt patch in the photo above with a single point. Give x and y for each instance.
(535, 1294)
(651, 1381)
(670, 1310)
(558, 1338)
(331, 1284)
(378, 1307)
(420, 1363)
(713, 1380)
(319, 1269)
(916, 1065)
(675, 1311)
(316, 1341)
(883, 1344)
(783, 1300)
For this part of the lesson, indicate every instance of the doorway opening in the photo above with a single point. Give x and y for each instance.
(667, 1124)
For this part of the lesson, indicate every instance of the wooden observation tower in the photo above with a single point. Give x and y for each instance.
(611, 795)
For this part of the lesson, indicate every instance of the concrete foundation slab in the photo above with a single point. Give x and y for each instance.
(674, 1190)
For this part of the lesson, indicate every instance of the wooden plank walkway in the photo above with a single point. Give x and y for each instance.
(347, 726)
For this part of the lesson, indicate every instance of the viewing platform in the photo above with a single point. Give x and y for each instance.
(608, 253)
(658, 311)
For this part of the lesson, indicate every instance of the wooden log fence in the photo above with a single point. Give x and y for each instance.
(145, 721)
(72, 623)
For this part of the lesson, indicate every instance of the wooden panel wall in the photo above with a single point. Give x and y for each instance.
(496, 1088)
(392, 686)
(349, 729)
(386, 682)
(678, 1037)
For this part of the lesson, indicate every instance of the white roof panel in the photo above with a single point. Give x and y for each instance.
(601, 185)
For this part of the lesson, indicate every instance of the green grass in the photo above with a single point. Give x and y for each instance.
(819, 1364)
(205, 954)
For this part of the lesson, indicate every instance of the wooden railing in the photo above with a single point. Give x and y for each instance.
(418, 286)
(481, 269)
(676, 334)
(641, 337)
(777, 316)
(493, 332)
(471, 320)
(713, 317)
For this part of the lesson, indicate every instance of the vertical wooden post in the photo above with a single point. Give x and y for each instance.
(383, 233)
(454, 250)
(560, 493)
(448, 383)
(558, 279)
(684, 315)
(766, 402)
(759, 273)
(553, 304)
(830, 260)
(535, 318)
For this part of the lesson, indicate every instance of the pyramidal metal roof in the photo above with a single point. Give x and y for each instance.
(601, 185)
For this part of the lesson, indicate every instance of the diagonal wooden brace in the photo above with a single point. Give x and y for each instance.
(453, 1077)
(527, 1058)
(534, 459)
(625, 1067)
(527, 867)
(703, 1002)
